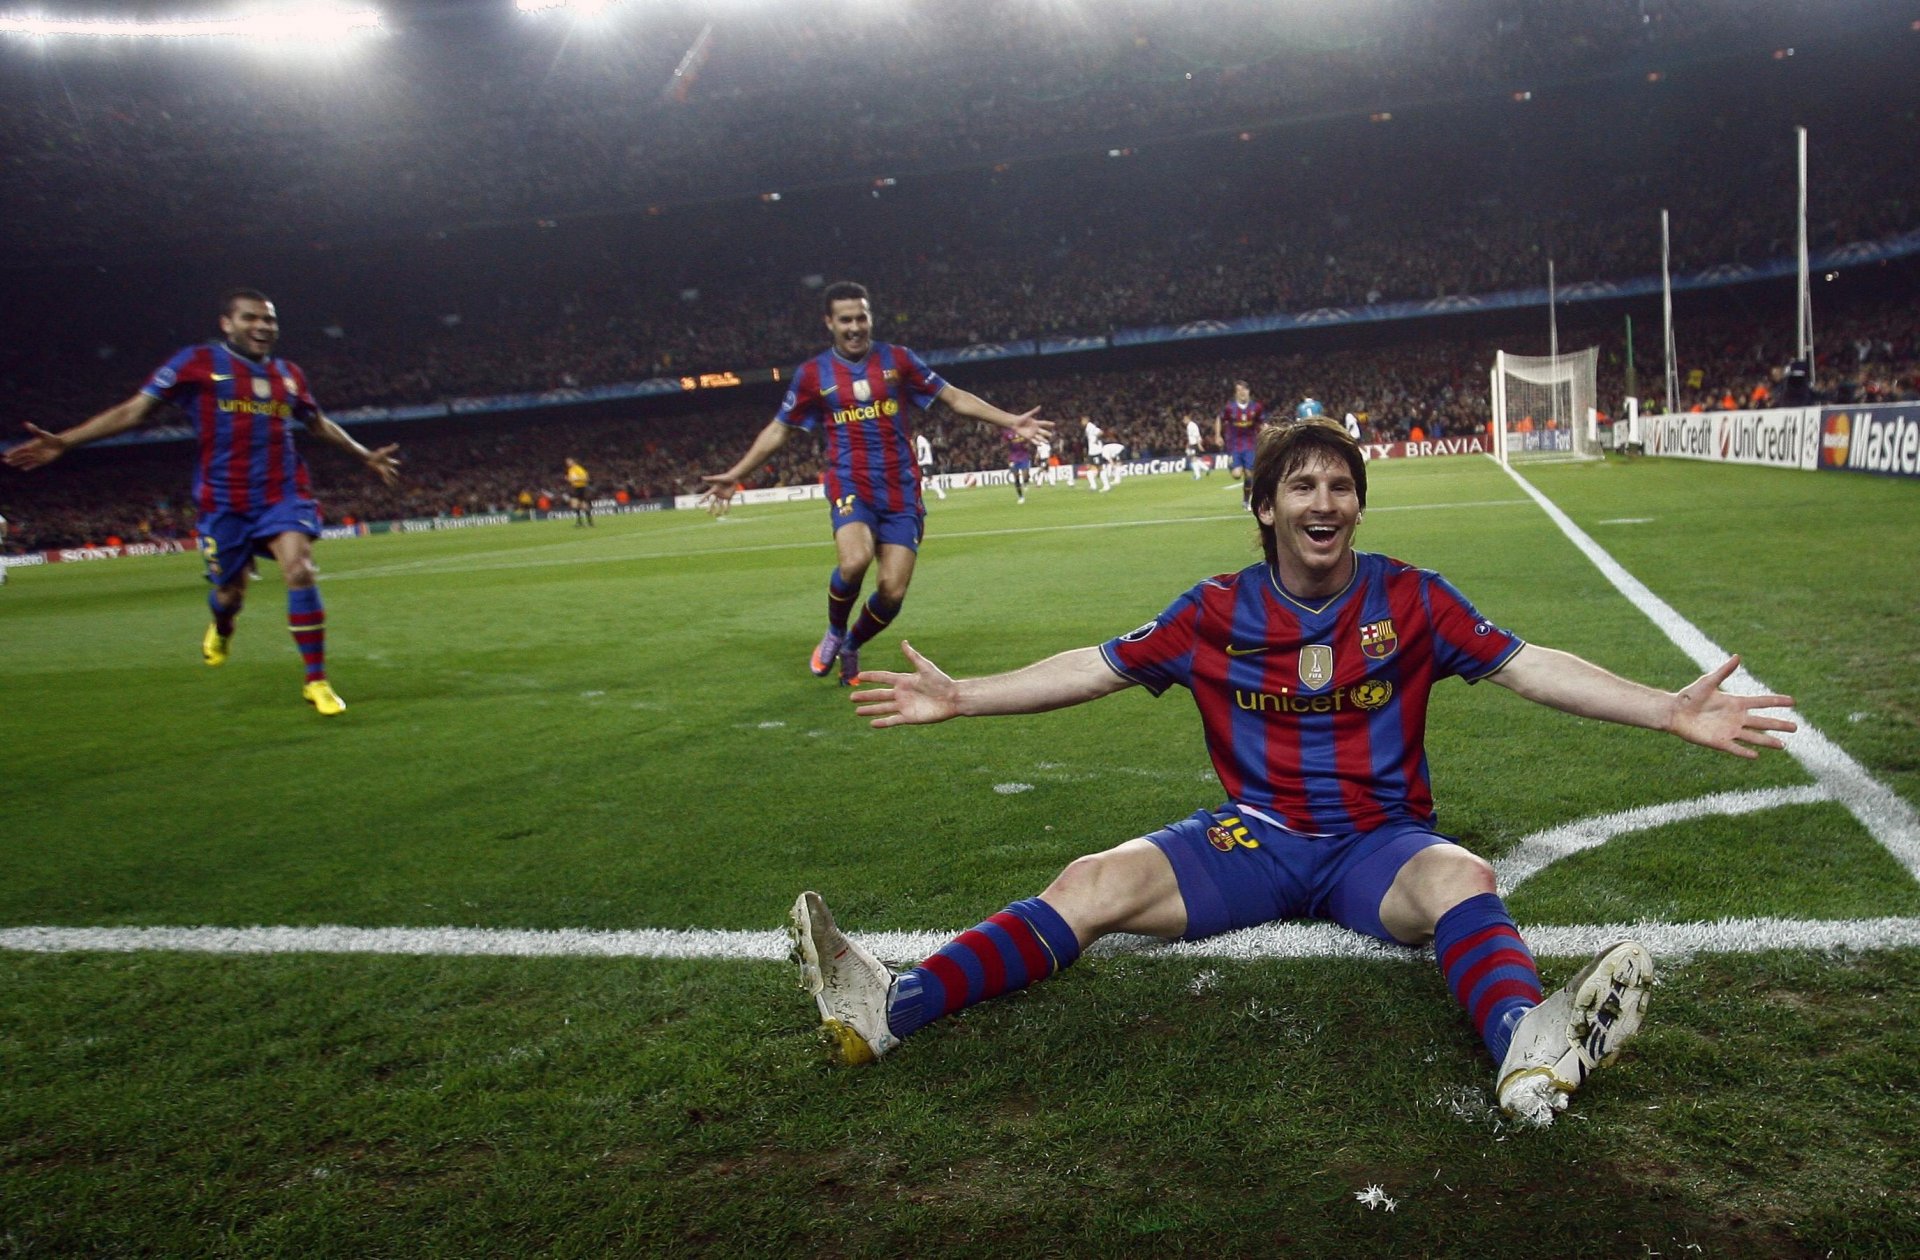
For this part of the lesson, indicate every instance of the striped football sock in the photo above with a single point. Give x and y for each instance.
(308, 621)
(841, 595)
(1489, 969)
(874, 618)
(1022, 945)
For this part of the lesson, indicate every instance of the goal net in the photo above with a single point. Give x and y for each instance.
(1544, 406)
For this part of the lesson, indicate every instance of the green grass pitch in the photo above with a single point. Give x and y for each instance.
(552, 727)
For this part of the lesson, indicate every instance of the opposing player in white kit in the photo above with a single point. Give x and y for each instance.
(923, 456)
(1096, 456)
(1196, 447)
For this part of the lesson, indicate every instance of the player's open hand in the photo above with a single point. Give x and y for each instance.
(718, 499)
(39, 449)
(1705, 715)
(1030, 427)
(385, 463)
(926, 695)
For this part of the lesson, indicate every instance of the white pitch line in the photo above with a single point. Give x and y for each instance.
(522, 559)
(1668, 941)
(1887, 817)
(1542, 849)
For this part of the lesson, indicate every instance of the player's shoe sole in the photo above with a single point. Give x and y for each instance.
(213, 647)
(320, 695)
(828, 651)
(1577, 1030)
(848, 985)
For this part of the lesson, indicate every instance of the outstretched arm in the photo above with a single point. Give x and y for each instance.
(43, 448)
(1699, 713)
(928, 695)
(383, 463)
(1026, 424)
(720, 486)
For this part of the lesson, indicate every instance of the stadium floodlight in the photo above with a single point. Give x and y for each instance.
(585, 8)
(312, 25)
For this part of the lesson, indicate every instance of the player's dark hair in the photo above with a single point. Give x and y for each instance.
(1285, 449)
(233, 297)
(840, 291)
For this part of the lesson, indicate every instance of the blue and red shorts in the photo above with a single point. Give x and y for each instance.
(230, 540)
(902, 529)
(1236, 870)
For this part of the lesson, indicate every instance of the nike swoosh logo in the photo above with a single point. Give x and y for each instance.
(216, 376)
(1234, 649)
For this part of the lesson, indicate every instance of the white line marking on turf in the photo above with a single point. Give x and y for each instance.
(1674, 941)
(1887, 817)
(521, 558)
(1542, 849)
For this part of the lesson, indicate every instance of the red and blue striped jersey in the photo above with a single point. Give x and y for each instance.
(856, 407)
(242, 408)
(1240, 424)
(1317, 714)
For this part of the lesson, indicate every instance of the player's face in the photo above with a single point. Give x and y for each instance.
(1314, 512)
(1241, 394)
(251, 327)
(851, 323)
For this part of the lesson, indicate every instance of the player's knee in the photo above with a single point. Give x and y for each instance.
(300, 572)
(1449, 875)
(1098, 890)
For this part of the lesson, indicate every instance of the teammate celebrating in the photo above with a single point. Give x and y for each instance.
(1019, 463)
(1311, 670)
(250, 485)
(1241, 419)
(854, 392)
(579, 493)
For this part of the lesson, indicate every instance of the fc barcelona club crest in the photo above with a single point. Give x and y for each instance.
(1378, 640)
(1316, 666)
(862, 390)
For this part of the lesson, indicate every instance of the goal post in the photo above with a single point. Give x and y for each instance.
(1544, 406)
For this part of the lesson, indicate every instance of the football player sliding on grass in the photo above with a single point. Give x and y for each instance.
(1311, 670)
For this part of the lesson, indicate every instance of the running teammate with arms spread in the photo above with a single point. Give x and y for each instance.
(250, 485)
(1311, 671)
(854, 395)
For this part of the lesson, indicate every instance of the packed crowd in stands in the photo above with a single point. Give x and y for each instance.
(473, 206)
(1437, 387)
(454, 120)
(1458, 196)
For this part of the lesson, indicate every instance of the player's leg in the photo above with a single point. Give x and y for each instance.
(898, 550)
(306, 617)
(227, 549)
(853, 547)
(1545, 1047)
(866, 1010)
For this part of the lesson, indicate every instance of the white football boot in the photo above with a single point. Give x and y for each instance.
(850, 985)
(1579, 1028)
